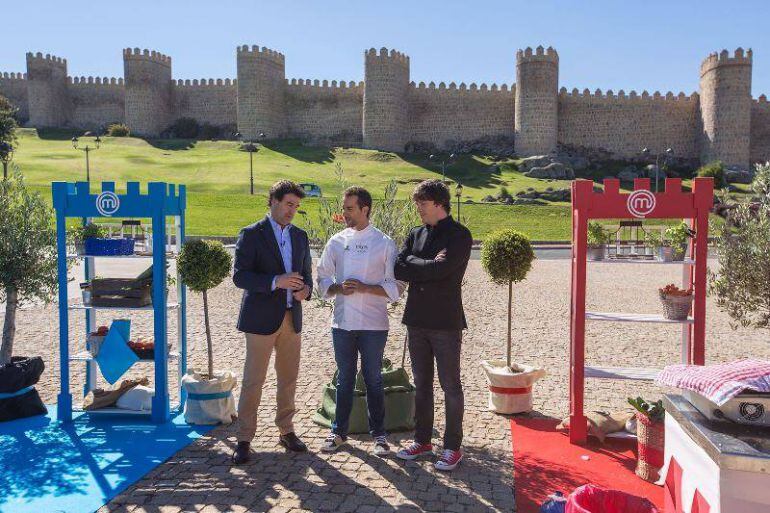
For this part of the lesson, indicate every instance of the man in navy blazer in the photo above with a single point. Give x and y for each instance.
(273, 267)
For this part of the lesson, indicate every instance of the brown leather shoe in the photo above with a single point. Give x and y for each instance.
(241, 453)
(292, 442)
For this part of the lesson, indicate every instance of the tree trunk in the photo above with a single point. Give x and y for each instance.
(510, 300)
(208, 335)
(9, 326)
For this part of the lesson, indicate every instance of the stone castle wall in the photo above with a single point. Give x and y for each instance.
(14, 87)
(442, 115)
(388, 112)
(96, 102)
(323, 111)
(207, 101)
(625, 123)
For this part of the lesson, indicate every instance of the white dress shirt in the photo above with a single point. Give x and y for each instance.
(368, 256)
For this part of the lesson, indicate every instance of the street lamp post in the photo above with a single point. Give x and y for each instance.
(251, 148)
(668, 153)
(458, 194)
(88, 149)
(444, 161)
(6, 156)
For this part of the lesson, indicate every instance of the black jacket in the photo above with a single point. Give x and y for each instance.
(257, 261)
(435, 298)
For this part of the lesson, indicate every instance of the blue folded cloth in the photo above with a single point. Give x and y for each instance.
(115, 357)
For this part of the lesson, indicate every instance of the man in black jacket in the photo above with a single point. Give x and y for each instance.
(273, 265)
(433, 261)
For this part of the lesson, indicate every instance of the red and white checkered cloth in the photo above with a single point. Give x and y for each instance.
(719, 383)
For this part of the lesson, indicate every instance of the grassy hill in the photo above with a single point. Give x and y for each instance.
(217, 176)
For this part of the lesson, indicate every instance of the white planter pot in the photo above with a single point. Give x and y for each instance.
(510, 392)
(209, 401)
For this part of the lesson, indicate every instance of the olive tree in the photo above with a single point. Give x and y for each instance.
(507, 257)
(28, 265)
(742, 285)
(204, 264)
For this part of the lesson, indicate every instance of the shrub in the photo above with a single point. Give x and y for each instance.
(208, 131)
(185, 128)
(118, 130)
(204, 264)
(507, 257)
(503, 193)
(677, 236)
(597, 235)
(715, 170)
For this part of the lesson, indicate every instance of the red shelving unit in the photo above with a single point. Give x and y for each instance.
(641, 203)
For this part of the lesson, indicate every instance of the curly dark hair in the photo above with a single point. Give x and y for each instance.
(362, 195)
(435, 191)
(283, 187)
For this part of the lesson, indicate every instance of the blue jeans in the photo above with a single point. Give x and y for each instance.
(347, 346)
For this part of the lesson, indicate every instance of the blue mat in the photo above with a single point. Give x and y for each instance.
(47, 466)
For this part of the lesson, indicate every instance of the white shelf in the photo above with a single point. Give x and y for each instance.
(85, 356)
(641, 261)
(120, 411)
(169, 306)
(629, 373)
(633, 317)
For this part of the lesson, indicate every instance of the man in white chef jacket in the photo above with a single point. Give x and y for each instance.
(356, 268)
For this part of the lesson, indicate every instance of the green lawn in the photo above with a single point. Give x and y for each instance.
(217, 177)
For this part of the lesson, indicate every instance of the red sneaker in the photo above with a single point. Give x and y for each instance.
(449, 460)
(414, 451)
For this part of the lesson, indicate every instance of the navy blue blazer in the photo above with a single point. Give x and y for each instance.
(257, 261)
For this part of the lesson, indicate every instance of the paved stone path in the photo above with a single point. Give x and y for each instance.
(200, 478)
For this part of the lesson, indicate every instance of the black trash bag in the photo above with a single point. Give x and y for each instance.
(21, 373)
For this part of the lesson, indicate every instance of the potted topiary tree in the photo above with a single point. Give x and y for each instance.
(28, 271)
(507, 257)
(204, 264)
(597, 241)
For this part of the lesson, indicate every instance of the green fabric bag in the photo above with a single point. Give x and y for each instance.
(399, 402)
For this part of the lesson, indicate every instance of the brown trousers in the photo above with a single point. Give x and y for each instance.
(287, 354)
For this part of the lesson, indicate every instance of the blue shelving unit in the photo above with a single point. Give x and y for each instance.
(75, 200)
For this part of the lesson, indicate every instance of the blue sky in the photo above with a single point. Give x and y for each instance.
(616, 45)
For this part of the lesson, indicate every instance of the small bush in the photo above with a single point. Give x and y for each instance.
(715, 170)
(118, 130)
(185, 128)
(208, 131)
(503, 193)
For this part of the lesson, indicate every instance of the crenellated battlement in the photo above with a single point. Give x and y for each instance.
(540, 54)
(622, 96)
(264, 53)
(38, 59)
(95, 81)
(392, 56)
(473, 87)
(324, 84)
(723, 58)
(146, 55)
(13, 76)
(206, 82)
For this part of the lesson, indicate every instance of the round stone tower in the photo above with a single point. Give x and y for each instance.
(47, 90)
(386, 88)
(536, 107)
(725, 106)
(261, 88)
(149, 105)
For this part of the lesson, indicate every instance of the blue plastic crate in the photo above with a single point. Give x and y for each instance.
(109, 247)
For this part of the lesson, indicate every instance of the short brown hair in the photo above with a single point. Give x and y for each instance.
(283, 187)
(362, 195)
(435, 191)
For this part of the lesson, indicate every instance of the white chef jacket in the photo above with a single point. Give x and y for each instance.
(367, 255)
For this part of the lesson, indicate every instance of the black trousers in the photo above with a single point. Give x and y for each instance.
(425, 345)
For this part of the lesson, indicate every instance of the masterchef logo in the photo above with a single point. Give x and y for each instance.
(640, 203)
